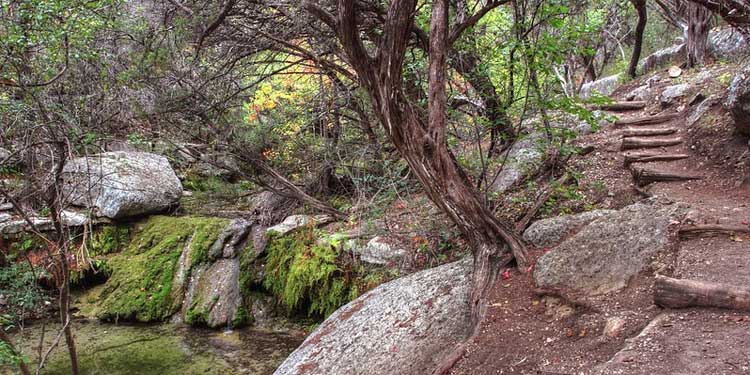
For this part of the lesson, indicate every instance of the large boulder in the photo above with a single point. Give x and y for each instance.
(726, 43)
(406, 326)
(121, 184)
(603, 86)
(603, 256)
(548, 232)
(674, 55)
(738, 100)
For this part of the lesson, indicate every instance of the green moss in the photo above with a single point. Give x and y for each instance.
(241, 318)
(300, 271)
(140, 287)
(108, 239)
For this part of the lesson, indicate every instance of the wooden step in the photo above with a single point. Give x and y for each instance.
(647, 132)
(648, 157)
(648, 120)
(622, 106)
(644, 176)
(633, 142)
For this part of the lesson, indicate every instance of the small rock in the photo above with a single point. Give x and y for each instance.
(296, 222)
(614, 327)
(675, 71)
(379, 251)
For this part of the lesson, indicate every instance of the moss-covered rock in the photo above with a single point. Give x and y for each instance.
(147, 280)
(304, 271)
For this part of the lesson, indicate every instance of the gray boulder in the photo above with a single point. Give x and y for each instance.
(604, 255)
(738, 100)
(405, 326)
(121, 184)
(548, 232)
(213, 297)
(603, 86)
(675, 55)
(524, 156)
(672, 93)
(230, 240)
(726, 43)
(379, 251)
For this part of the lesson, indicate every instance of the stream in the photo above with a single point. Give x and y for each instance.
(162, 349)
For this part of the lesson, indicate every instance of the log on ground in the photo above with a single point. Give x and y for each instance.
(682, 293)
(633, 143)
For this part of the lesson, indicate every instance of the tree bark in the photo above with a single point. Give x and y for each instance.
(676, 294)
(640, 7)
(734, 12)
(697, 33)
(423, 144)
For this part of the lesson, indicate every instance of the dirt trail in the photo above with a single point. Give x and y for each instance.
(700, 163)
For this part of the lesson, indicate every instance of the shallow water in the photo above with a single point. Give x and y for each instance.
(163, 349)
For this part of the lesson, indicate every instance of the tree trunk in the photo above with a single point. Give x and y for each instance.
(734, 12)
(423, 143)
(697, 33)
(640, 7)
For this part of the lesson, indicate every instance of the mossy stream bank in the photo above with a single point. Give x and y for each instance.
(162, 349)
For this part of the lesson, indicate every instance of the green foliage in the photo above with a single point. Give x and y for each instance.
(19, 288)
(108, 239)
(141, 285)
(302, 271)
(8, 356)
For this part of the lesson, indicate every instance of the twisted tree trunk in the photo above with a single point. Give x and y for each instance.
(422, 142)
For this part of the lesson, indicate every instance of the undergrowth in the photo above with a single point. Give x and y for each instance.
(306, 273)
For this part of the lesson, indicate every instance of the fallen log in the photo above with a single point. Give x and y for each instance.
(652, 157)
(645, 176)
(631, 143)
(622, 106)
(709, 230)
(647, 132)
(650, 120)
(681, 293)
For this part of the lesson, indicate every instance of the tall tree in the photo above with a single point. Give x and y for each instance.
(698, 25)
(422, 142)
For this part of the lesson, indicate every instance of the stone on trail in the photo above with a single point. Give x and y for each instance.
(121, 184)
(603, 256)
(406, 326)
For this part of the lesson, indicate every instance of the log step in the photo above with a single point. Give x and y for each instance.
(682, 293)
(649, 120)
(645, 176)
(622, 106)
(647, 157)
(710, 230)
(631, 143)
(647, 132)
